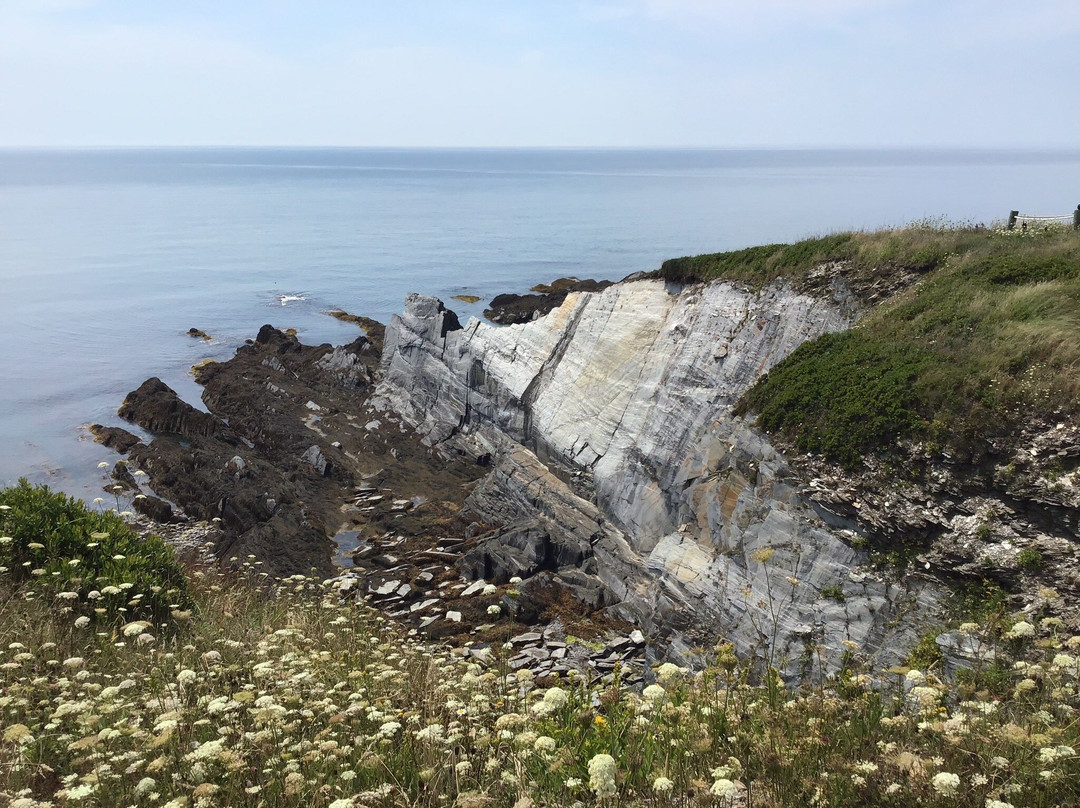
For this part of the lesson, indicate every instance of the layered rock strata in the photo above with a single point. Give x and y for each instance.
(621, 474)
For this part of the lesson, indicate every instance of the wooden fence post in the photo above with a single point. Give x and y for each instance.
(1012, 218)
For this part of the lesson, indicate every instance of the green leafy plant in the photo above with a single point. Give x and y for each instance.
(1029, 559)
(989, 339)
(92, 561)
(926, 654)
(834, 593)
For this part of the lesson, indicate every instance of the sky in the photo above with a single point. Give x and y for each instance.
(558, 73)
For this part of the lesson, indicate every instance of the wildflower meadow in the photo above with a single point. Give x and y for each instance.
(251, 691)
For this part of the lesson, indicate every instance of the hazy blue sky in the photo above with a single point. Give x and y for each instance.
(544, 73)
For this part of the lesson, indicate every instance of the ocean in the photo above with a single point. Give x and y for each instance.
(108, 257)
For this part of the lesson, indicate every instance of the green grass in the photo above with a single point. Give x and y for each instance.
(866, 256)
(759, 264)
(989, 339)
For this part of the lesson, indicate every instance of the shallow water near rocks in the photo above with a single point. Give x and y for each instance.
(348, 542)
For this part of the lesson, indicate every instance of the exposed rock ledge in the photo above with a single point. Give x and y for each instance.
(620, 468)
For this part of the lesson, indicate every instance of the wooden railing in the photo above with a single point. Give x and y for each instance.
(1023, 219)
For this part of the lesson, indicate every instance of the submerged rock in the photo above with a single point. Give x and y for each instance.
(114, 437)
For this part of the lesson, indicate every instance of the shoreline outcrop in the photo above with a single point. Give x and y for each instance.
(512, 309)
(621, 472)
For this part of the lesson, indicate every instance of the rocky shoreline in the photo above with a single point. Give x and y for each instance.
(291, 455)
(575, 487)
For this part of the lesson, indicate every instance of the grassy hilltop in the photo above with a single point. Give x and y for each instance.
(987, 340)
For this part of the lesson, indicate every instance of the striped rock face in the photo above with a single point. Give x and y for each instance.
(619, 466)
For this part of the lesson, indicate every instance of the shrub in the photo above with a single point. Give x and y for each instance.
(54, 544)
(988, 340)
(834, 593)
(841, 395)
(1029, 559)
(926, 654)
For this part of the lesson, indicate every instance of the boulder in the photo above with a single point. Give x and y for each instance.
(314, 458)
(113, 437)
(153, 507)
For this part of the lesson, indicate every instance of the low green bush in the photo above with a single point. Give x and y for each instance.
(1029, 559)
(91, 561)
(926, 654)
(834, 593)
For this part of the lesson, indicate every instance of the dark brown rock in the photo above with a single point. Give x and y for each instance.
(153, 507)
(156, 408)
(508, 309)
(115, 438)
(123, 476)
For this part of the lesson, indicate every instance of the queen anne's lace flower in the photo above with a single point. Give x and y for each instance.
(946, 783)
(602, 775)
(1021, 630)
(555, 698)
(669, 672)
(654, 693)
(723, 788)
(544, 743)
(662, 785)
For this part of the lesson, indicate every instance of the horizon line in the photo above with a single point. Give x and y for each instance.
(700, 148)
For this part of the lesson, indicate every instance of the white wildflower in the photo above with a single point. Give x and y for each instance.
(544, 743)
(723, 788)
(1020, 630)
(186, 676)
(555, 698)
(946, 783)
(669, 672)
(654, 693)
(602, 775)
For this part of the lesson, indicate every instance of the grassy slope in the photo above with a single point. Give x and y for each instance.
(987, 340)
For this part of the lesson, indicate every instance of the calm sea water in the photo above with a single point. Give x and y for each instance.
(108, 257)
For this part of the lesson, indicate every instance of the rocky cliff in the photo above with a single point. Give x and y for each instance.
(621, 474)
